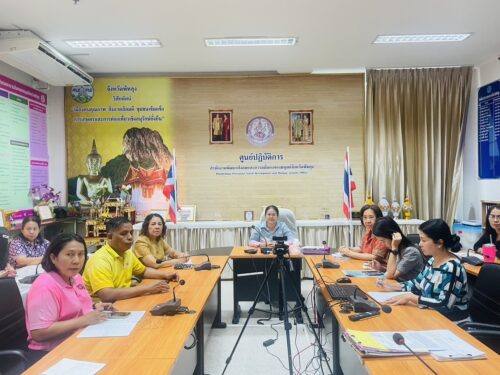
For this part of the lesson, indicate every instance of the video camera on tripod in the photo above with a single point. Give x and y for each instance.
(280, 247)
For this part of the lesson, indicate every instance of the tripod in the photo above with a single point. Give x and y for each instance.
(282, 272)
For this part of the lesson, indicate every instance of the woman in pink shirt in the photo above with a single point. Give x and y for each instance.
(58, 303)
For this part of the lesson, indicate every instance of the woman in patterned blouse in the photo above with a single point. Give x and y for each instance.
(442, 284)
(29, 246)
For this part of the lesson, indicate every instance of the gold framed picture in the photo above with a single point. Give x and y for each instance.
(220, 126)
(301, 127)
(186, 213)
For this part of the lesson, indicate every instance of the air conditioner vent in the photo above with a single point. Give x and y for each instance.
(27, 52)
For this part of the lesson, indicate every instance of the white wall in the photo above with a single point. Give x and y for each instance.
(474, 189)
(55, 124)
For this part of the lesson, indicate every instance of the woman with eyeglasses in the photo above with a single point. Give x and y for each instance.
(491, 233)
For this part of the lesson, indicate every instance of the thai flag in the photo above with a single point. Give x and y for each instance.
(170, 192)
(349, 186)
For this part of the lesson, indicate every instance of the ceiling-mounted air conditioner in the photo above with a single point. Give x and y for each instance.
(25, 51)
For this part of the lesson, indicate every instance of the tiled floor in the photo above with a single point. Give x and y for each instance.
(251, 357)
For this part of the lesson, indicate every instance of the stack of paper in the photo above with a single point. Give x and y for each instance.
(364, 273)
(113, 327)
(70, 366)
(442, 344)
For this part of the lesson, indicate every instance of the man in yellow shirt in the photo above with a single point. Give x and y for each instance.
(108, 273)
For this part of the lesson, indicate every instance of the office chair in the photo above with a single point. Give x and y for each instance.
(4, 247)
(414, 238)
(286, 216)
(13, 334)
(484, 307)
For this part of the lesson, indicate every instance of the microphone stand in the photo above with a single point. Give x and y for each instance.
(400, 340)
(283, 272)
(266, 249)
(169, 308)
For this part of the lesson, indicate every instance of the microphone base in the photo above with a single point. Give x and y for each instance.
(203, 266)
(169, 308)
(361, 305)
(266, 250)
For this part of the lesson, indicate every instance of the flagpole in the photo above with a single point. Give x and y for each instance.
(349, 197)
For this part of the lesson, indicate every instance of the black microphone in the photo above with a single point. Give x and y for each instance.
(181, 282)
(361, 304)
(385, 308)
(400, 340)
(169, 308)
(266, 249)
(206, 265)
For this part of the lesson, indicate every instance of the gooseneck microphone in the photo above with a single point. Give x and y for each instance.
(181, 282)
(385, 308)
(400, 340)
(326, 263)
(266, 249)
(169, 308)
(206, 265)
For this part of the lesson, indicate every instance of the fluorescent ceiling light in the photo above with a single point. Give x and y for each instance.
(250, 42)
(339, 71)
(139, 43)
(420, 38)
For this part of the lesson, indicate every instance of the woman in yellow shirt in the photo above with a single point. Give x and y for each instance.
(151, 247)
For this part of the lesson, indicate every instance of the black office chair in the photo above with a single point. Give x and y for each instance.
(13, 335)
(484, 307)
(414, 238)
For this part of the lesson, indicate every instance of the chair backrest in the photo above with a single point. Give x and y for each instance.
(414, 238)
(286, 216)
(13, 334)
(485, 301)
(4, 247)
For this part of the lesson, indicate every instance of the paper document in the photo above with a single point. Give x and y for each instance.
(113, 327)
(70, 366)
(339, 256)
(384, 296)
(365, 273)
(442, 344)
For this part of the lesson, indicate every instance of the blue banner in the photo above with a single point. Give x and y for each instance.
(489, 130)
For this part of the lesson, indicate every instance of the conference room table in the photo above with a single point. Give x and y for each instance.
(155, 346)
(474, 270)
(402, 318)
(249, 272)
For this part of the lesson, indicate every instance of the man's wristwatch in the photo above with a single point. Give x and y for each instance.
(395, 251)
(159, 261)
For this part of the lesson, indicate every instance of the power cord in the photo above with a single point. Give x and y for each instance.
(195, 341)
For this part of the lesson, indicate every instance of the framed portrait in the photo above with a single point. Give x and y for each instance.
(301, 127)
(187, 213)
(220, 127)
(248, 215)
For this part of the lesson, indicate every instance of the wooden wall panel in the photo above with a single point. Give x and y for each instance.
(338, 104)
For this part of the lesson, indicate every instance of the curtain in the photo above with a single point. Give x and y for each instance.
(414, 133)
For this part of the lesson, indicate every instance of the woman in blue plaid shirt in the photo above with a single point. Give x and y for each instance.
(442, 284)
